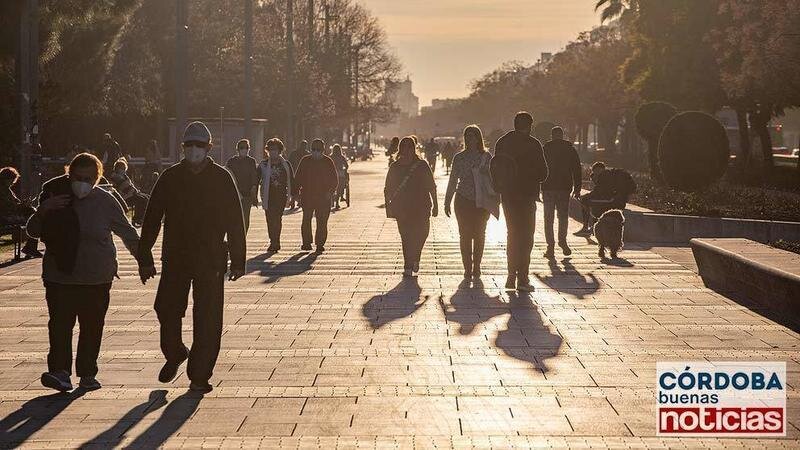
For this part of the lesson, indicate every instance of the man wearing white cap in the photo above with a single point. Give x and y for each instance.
(199, 204)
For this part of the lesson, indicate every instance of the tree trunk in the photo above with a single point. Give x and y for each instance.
(652, 160)
(760, 122)
(745, 146)
(608, 135)
(584, 137)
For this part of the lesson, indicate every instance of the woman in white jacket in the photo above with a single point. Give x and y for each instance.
(275, 179)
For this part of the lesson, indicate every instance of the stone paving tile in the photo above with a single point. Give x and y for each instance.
(337, 351)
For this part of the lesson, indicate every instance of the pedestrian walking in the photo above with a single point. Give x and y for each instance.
(315, 183)
(75, 220)
(14, 211)
(391, 152)
(276, 180)
(110, 151)
(199, 204)
(564, 178)
(243, 167)
(294, 159)
(410, 198)
(518, 168)
(127, 189)
(431, 152)
(470, 167)
(341, 165)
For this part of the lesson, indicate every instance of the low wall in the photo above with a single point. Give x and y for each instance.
(766, 275)
(642, 225)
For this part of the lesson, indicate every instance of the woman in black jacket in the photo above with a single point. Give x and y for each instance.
(410, 195)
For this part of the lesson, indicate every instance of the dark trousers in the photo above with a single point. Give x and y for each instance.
(139, 203)
(208, 293)
(471, 230)
(520, 214)
(65, 303)
(319, 208)
(274, 213)
(247, 203)
(556, 203)
(414, 232)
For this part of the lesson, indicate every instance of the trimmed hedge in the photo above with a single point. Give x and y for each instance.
(693, 151)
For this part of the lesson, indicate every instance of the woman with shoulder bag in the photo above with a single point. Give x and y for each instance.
(468, 184)
(410, 195)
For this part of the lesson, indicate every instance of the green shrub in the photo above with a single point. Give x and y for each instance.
(650, 121)
(693, 151)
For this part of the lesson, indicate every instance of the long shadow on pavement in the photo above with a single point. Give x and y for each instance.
(401, 301)
(526, 336)
(170, 421)
(113, 436)
(568, 280)
(470, 307)
(295, 265)
(33, 415)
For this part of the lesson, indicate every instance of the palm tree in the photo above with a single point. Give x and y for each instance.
(614, 9)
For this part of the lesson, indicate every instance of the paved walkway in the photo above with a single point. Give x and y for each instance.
(338, 351)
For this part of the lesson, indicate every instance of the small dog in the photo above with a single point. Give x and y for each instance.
(609, 230)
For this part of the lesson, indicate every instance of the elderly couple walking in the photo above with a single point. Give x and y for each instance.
(198, 203)
(515, 175)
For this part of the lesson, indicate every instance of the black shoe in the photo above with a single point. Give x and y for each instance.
(511, 282)
(200, 386)
(274, 248)
(565, 249)
(30, 252)
(57, 380)
(306, 247)
(170, 369)
(89, 384)
(320, 249)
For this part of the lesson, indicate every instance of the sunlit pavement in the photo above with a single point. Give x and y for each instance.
(338, 351)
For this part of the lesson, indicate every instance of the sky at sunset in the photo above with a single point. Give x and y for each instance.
(445, 44)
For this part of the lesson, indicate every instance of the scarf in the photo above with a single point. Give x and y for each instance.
(266, 175)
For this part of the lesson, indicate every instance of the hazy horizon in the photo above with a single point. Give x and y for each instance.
(435, 38)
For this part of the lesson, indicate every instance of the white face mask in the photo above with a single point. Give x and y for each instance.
(195, 155)
(81, 188)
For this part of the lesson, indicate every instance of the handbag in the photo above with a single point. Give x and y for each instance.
(485, 195)
(391, 211)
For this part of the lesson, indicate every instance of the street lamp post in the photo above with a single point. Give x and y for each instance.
(248, 69)
(181, 72)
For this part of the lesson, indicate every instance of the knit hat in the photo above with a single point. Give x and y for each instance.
(197, 131)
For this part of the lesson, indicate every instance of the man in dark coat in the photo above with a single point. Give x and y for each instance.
(564, 167)
(199, 203)
(316, 181)
(294, 159)
(244, 169)
(526, 156)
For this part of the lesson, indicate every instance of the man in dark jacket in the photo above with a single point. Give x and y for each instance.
(110, 151)
(519, 198)
(316, 181)
(244, 169)
(294, 159)
(198, 201)
(564, 177)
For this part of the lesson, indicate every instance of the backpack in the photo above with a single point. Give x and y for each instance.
(625, 183)
(504, 173)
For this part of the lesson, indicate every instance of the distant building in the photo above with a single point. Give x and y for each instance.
(401, 94)
(441, 103)
(543, 62)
